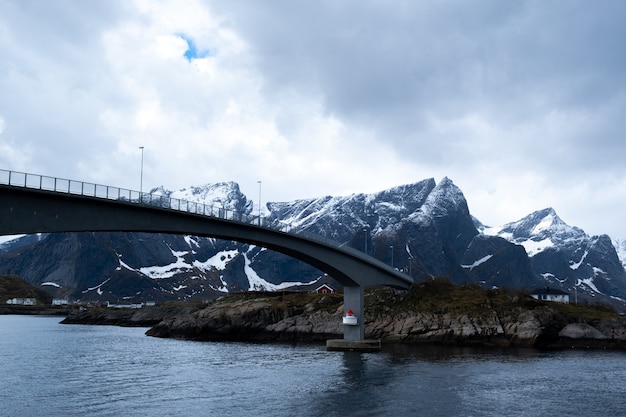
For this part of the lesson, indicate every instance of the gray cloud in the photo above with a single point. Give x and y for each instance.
(520, 103)
(393, 66)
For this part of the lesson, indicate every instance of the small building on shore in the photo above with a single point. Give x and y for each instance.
(550, 294)
(60, 302)
(22, 301)
(324, 289)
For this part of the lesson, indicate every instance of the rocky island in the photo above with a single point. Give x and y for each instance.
(435, 312)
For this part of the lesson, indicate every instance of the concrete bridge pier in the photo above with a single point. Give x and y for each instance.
(353, 300)
(353, 325)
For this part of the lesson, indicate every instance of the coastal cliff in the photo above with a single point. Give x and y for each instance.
(435, 312)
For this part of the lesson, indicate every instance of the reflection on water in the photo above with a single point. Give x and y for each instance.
(66, 370)
(434, 353)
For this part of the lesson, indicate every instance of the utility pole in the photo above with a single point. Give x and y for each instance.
(365, 236)
(141, 174)
(259, 202)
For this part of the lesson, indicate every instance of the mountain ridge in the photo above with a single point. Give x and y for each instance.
(424, 229)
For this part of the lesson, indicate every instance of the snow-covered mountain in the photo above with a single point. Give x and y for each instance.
(424, 229)
(565, 256)
(225, 195)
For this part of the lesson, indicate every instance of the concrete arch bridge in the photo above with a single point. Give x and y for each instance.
(32, 203)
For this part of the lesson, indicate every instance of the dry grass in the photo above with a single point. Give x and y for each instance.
(438, 296)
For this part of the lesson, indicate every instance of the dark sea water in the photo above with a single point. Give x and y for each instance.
(50, 369)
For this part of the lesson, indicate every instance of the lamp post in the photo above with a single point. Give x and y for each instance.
(391, 255)
(141, 175)
(410, 262)
(259, 202)
(365, 238)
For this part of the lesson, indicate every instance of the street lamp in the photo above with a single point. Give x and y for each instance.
(391, 255)
(259, 202)
(141, 175)
(410, 262)
(365, 236)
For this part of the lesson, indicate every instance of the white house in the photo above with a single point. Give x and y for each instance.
(550, 294)
(22, 301)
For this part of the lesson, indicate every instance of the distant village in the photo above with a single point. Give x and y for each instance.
(544, 294)
(63, 302)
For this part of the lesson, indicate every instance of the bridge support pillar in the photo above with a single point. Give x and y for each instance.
(353, 333)
(353, 299)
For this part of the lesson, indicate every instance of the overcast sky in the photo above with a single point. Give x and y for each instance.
(521, 104)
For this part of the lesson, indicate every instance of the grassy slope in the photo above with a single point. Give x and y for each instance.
(12, 286)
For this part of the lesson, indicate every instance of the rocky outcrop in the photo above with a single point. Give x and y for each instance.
(265, 319)
(255, 319)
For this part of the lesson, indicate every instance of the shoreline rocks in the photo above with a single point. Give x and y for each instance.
(259, 320)
(312, 318)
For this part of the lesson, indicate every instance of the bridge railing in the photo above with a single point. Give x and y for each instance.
(66, 186)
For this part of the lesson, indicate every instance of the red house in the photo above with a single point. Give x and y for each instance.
(324, 289)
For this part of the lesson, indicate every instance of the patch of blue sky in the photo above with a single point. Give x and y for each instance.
(192, 51)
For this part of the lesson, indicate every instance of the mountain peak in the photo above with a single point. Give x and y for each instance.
(225, 195)
(445, 198)
(538, 231)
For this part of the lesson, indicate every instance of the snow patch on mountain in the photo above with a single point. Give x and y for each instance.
(168, 271)
(8, 238)
(192, 241)
(124, 265)
(533, 247)
(180, 265)
(217, 261)
(223, 288)
(575, 265)
(11, 242)
(589, 283)
(259, 284)
(620, 247)
(599, 271)
(97, 288)
(478, 262)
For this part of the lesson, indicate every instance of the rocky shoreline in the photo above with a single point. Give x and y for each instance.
(130, 317)
(500, 319)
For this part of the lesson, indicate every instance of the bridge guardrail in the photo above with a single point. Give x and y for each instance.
(66, 186)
